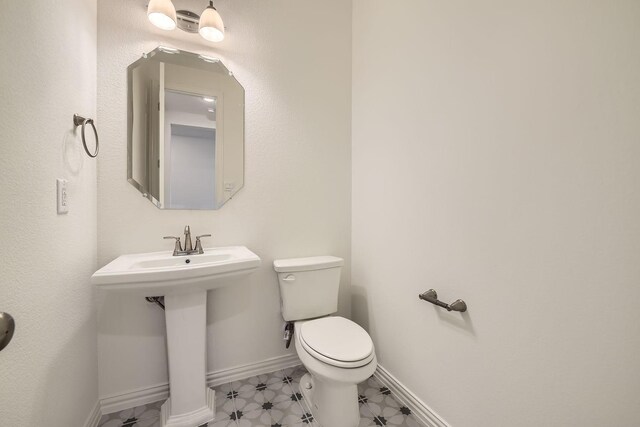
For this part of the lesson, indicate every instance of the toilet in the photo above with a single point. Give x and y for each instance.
(337, 353)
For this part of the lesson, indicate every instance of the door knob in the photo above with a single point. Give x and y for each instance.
(7, 326)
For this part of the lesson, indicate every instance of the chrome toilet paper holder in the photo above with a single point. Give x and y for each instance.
(432, 296)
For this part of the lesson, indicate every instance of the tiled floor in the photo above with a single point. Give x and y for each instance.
(274, 400)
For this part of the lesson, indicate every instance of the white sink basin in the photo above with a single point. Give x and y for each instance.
(183, 281)
(161, 273)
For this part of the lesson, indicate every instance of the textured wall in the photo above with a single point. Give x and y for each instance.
(502, 169)
(48, 374)
(296, 198)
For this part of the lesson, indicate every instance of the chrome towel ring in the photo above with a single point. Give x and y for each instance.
(81, 121)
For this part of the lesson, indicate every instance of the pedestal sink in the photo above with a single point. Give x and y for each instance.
(184, 282)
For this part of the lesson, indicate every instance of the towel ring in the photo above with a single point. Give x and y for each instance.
(81, 121)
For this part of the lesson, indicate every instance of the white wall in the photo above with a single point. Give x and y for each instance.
(495, 159)
(296, 197)
(48, 373)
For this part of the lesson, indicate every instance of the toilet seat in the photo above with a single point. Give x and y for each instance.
(336, 341)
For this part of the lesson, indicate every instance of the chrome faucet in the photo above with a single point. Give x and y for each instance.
(188, 247)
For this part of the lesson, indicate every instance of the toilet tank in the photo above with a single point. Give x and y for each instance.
(308, 286)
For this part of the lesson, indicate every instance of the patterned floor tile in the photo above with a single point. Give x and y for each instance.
(260, 419)
(274, 400)
(278, 379)
(306, 407)
(304, 424)
(268, 418)
(249, 419)
(366, 416)
(372, 392)
(229, 390)
(225, 405)
(257, 400)
(389, 412)
(294, 372)
(148, 422)
(304, 419)
(287, 410)
(253, 385)
(296, 375)
(132, 417)
(132, 422)
(370, 382)
(223, 423)
(293, 413)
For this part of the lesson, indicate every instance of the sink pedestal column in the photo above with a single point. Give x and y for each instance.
(191, 402)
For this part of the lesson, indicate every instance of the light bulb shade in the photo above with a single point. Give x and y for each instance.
(162, 14)
(211, 27)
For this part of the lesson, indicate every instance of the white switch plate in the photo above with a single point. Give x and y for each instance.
(63, 200)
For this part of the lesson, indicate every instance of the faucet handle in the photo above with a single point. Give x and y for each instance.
(178, 247)
(198, 247)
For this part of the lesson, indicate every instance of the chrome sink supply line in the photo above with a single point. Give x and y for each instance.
(159, 301)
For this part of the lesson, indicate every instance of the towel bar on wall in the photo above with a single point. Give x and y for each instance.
(432, 296)
(81, 121)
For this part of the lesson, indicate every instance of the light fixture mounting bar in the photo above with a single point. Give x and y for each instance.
(188, 21)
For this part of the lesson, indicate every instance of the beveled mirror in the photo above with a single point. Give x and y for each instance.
(186, 130)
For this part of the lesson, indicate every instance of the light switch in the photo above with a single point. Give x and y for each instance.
(63, 200)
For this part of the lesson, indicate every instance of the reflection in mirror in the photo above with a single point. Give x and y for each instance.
(190, 151)
(186, 130)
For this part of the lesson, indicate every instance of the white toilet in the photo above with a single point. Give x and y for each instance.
(337, 352)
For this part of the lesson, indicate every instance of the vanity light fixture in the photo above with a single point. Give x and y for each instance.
(163, 14)
(211, 27)
(205, 99)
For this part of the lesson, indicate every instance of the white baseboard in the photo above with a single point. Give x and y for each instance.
(94, 416)
(142, 396)
(223, 376)
(419, 409)
(129, 399)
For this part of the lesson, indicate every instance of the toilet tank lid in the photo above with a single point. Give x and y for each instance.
(306, 264)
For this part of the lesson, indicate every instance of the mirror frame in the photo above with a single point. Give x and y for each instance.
(166, 52)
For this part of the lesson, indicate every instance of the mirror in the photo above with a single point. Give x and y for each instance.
(186, 130)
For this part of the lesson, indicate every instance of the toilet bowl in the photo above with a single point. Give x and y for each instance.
(337, 353)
